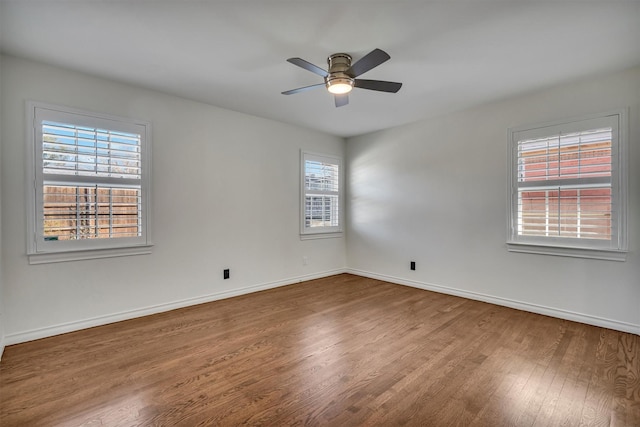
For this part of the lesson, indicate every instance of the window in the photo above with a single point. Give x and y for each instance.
(90, 196)
(568, 189)
(321, 194)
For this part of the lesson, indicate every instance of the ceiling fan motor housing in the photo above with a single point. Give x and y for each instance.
(339, 65)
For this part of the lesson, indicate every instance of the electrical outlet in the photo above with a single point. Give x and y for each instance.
(305, 260)
(225, 274)
(413, 265)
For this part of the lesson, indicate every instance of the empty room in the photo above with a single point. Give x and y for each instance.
(340, 213)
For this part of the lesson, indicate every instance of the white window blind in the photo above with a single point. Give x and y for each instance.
(321, 193)
(566, 185)
(90, 212)
(77, 150)
(91, 177)
(74, 207)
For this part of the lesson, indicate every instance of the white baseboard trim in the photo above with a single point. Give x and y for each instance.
(63, 328)
(519, 305)
(2, 339)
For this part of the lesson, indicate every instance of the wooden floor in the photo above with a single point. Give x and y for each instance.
(340, 351)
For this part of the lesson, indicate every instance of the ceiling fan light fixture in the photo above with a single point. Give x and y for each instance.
(340, 86)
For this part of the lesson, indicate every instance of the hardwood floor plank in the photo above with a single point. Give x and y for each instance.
(343, 351)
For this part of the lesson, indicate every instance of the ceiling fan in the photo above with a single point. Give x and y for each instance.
(341, 77)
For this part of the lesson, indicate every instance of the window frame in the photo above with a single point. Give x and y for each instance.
(41, 250)
(614, 249)
(323, 231)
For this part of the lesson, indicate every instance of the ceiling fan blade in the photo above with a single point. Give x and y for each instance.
(379, 85)
(369, 61)
(308, 66)
(302, 89)
(342, 100)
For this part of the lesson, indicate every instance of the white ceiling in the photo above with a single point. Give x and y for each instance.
(448, 54)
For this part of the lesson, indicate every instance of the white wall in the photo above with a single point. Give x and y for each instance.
(225, 195)
(435, 192)
(1, 262)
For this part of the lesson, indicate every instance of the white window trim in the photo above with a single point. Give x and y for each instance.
(572, 247)
(321, 232)
(98, 248)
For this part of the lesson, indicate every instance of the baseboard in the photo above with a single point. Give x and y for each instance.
(34, 334)
(506, 302)
(2, 340)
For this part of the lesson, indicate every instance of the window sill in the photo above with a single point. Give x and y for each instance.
(325, 235)
(51, 257)
(603, 254)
